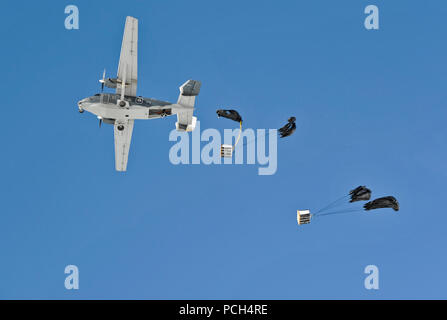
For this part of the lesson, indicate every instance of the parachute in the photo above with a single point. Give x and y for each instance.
(288, 129)
(226, 150)
(385, 202)
(360, 193)
(285, 131)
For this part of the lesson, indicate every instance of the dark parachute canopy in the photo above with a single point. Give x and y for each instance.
(361, 193)
(385, 202)
(288, 129)
(229, 114)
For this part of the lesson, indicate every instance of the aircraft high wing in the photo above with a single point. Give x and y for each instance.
(123, 135)
(128, 65)
(127, 74)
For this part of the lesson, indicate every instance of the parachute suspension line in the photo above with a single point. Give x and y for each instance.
(226, 150)
(337, 212)
(332, 204)
(239, 136)
(251, 140)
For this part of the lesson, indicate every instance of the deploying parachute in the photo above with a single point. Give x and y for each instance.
(361, 193)
(385, 202)
(288, 129)
(226, 150)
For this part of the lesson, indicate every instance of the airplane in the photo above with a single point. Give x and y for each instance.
(124, 106)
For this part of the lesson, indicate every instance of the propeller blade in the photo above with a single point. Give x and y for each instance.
(103, 80)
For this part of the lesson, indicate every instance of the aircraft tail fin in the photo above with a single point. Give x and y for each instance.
(187, 98)
(188, 92)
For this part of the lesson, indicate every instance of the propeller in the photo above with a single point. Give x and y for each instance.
(103, 80)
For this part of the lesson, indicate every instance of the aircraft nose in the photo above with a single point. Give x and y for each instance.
(81, 109)
(83, 102)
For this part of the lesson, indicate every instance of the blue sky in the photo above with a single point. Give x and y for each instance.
(370, 107)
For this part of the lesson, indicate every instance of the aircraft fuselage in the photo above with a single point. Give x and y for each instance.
(106, 105)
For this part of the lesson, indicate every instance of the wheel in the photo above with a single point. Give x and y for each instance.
(120, 127)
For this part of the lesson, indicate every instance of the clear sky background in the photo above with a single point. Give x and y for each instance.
(370, 107)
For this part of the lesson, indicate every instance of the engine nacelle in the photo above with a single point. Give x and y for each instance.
(111, 82)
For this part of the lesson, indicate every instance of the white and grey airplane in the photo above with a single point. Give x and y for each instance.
(124, 106)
